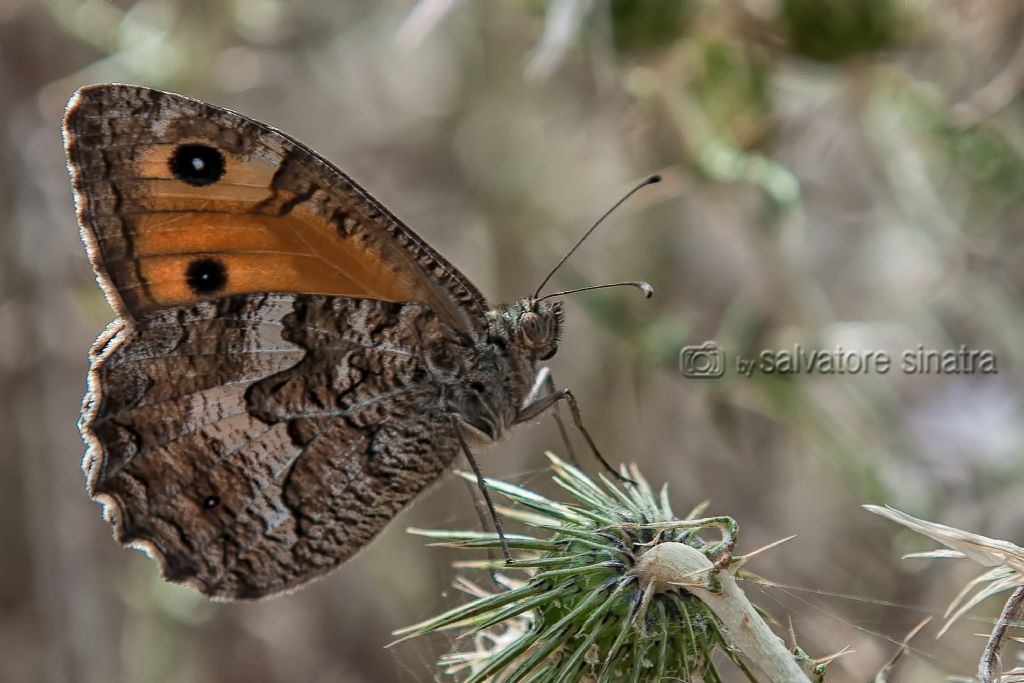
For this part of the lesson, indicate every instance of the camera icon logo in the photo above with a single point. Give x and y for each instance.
(702, 360)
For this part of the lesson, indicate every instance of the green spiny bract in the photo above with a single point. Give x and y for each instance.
(584, 610)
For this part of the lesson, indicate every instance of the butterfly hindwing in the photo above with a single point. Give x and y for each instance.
(257, 441)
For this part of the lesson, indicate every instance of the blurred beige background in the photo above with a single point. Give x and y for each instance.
(837, 173)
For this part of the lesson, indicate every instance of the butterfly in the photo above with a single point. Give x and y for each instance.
(290, 365)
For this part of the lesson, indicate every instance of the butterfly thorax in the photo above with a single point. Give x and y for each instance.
(504, 363)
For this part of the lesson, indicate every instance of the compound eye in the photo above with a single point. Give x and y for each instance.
(549, 354)
(533, 327)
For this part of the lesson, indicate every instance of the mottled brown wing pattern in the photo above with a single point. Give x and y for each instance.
(181, 201)
(255, 442)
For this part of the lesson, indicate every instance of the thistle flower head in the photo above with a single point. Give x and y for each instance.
(587, 606)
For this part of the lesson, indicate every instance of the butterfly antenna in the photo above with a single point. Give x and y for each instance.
(644, 287)
(649, 181)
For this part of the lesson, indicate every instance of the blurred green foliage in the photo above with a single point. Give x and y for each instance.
(642, 26)
(839, 30)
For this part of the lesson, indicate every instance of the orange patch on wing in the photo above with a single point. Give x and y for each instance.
(299, 252)
(234, 221)
(173, 195)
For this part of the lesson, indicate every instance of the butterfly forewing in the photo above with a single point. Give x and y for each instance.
(181, 201)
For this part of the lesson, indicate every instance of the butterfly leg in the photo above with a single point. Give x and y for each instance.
(545, 382)
(456, 421)
(543, 403)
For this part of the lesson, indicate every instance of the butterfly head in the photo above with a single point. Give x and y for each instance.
(538, 325)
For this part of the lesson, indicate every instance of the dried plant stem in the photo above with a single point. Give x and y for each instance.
(679, 564)
(989, 669)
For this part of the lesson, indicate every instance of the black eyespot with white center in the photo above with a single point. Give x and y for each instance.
(197, 165)
(206, 276)
(211, 502)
